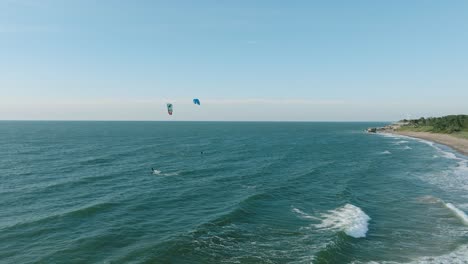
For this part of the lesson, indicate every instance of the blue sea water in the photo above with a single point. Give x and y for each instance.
(261, 192)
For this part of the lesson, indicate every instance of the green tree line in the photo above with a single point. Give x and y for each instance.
(445, 124)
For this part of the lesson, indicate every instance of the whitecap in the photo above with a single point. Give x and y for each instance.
(429, 199)
(389, 135)
(304, 215)
(158, 172)
(445, 154)
(458, 213)
(453, 179)
(407, 147)
(386, 152)
(349, 218)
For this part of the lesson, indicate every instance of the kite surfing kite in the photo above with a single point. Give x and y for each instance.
(169, 109)
(169, 105)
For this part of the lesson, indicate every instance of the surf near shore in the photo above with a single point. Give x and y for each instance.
(459, 144)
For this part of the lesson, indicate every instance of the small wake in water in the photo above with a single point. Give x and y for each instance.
(350, 219)
(158, 172)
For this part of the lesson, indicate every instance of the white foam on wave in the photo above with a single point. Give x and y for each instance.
(429, 199)
(386, 152)
(389, 135)
(458, 213)
(448, 155)
(456, 178)
(458, 256)
(407, 147)
(445, 154)
(349, 218)
(304, 215)
(158, 172)
(400, 142)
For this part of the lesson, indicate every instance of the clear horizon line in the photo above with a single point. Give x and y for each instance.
(146, 120)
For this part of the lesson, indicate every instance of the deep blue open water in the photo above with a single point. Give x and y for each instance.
(83, 192)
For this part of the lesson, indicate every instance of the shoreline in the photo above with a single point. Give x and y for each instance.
(458, 144)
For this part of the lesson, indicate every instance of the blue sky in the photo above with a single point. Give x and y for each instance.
(245, 60)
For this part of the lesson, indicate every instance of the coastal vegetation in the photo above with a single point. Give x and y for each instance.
(451, 124)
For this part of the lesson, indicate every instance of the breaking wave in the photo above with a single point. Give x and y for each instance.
(453, 179)
(428, 199)
(350, 219)
(458, 213)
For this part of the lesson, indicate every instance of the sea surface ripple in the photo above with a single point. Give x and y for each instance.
(227, 192)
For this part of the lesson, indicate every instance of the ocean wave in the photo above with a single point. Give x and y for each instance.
(407, 147)
(428, 199)
(349, 218)
(78, 212)
(304, 215)
(458, 213)
(96, 161)
(458, 256)
(158, 172)
(400, 142)
(456, 177)
(334, 251)
(445, 154)
(390, 135)
(386, 152)
(227, 238)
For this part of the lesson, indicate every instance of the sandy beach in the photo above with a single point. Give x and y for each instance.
(456, 143)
